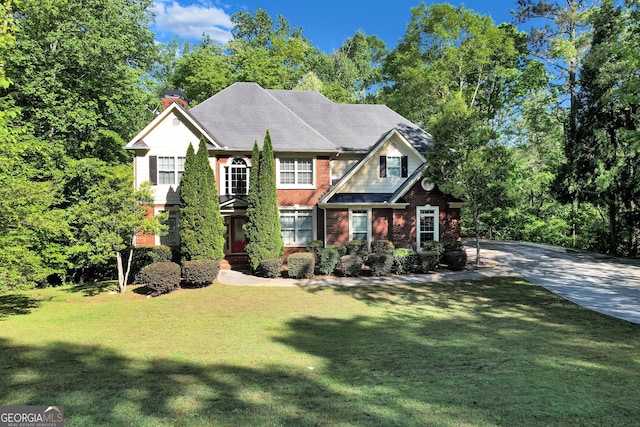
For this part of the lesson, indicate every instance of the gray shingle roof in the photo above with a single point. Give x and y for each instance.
(299, 121)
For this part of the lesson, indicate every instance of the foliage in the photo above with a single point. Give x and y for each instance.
(434, 246)
(380, 263)
(301, 265)
(106, 220)
(358, 247)
(77, 69)
(201, 224)
(200, 272)
(602, 162)
(161, 277)
(429, 260)
(455, 260)
(327, 260)
(451, 245)
(351, 265)
(262, 229)
(382, 246)
(314, 246)
(341, 249)
(405, 260)
(146, 255)
(270, 267)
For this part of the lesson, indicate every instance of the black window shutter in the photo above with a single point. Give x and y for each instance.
(383, 166)
(405, 166)
(153, 170)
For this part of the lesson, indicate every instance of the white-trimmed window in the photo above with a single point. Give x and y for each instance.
(428, 224)
(166, 170)
(296, 173)
(394, 166)
(236, 177)
(359, 224)
(296, 225)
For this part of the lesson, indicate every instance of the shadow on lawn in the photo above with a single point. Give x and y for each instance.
(505, 362)
(91, 289)
(14, 304)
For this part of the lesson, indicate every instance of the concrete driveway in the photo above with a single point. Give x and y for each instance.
(603, 284)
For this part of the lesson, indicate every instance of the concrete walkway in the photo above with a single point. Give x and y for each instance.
(600, 283)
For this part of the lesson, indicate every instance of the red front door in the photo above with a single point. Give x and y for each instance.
(236, 233)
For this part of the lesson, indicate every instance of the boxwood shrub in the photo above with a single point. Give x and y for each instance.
(201, 272)
(455, 260)
(271, 268)
(358, 247)
(433, 246)
(380, 263)
(382, 246)
(405, 260)
(314, 246)
(351, 265)
(301, 265)
(429, 261)
(342, 249)
(328, 259)
(147, 255)
(161, 277)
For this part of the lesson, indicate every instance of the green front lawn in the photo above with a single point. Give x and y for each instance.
(475, 353)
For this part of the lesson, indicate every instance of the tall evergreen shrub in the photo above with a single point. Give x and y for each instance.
(262, 229)
(201, 224)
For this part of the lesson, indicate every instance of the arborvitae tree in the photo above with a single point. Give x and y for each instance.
(189, 221)
(264, 240)
(253, 206)
(211, 233)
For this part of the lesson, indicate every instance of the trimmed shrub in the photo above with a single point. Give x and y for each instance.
(271, 267)
(301, 265)
(201, 272)
(429, 261)
(455, 260)
(382, 246)
(161, 277)
(314, 246)
(328, 259)
(380, 263)
(358, 247)
(453, 245)
(351, 265)
(147, 255)
(433, 246)
(341, 249)
(405, 260)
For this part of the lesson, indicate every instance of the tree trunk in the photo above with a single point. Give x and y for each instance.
(613, 228)
(122, 284)
(477, 230)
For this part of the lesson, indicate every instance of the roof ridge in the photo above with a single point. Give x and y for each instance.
(268, 91)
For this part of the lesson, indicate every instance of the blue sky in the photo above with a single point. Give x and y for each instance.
(326, 23)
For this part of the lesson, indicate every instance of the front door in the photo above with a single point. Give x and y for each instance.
(236, 234)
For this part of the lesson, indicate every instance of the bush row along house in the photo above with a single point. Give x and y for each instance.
(344, 172)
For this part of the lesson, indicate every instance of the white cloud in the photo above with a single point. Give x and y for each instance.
(191, 21)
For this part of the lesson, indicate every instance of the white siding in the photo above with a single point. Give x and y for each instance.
(367, 179)
(171, 137)
(341, 165)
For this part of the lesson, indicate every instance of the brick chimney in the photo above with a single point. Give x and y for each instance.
(171, 96)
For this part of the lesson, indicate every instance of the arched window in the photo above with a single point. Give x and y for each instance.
(236, 177)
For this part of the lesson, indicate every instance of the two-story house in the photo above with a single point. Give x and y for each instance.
(344, 171)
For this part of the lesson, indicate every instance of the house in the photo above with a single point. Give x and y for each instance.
(344, 172)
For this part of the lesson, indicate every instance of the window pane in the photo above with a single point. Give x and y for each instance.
(305, 235)
(166, 177)
(393, 166)
(287, 177)
(288, 236)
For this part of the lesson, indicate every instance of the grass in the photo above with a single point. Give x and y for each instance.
(470, 353)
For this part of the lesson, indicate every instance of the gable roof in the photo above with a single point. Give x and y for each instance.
(333, 196)
(299, 121)
(137, 142)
